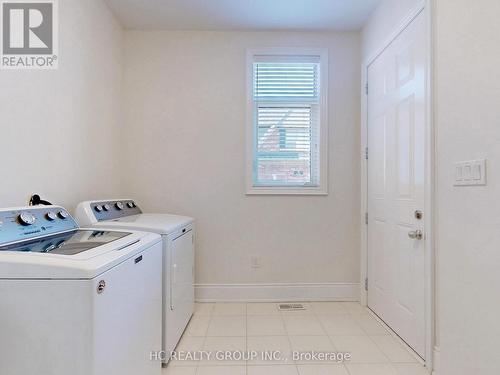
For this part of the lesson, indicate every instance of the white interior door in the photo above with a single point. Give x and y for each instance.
(396, 182)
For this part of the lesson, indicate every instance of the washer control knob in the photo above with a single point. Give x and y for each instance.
(106, 207)
(26, 219)
(51, 216)
(63, 214)
(119, 206)
(130, 204)
(98, 208)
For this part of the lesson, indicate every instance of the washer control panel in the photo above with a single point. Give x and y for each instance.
(114, 209)
(24, 223)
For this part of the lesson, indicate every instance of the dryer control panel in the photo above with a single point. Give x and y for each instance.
(114, 209)
(24, 223)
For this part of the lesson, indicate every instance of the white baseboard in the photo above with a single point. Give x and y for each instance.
(276, 292)
(436, 361)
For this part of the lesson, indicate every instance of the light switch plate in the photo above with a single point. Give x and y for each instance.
(470, 173)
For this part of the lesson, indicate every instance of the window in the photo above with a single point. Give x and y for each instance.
(287, 130)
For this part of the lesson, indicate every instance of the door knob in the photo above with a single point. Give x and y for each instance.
(416, 234)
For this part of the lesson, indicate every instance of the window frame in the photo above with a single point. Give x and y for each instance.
(322, 188)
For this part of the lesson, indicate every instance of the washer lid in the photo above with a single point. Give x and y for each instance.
(156, 223)
(68, 243)
(86, 255)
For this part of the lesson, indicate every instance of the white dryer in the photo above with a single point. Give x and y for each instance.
(77, 301)
(178, 255)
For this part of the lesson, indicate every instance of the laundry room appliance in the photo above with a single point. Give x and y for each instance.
(77, 301)
(178, 255)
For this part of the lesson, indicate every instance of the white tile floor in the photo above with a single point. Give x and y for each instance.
(322, 327)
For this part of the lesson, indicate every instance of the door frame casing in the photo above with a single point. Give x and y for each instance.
(425, 8)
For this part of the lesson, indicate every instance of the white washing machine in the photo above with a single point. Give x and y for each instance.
(178, 255)
(77, 301)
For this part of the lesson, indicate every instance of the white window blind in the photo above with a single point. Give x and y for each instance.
(286, 102)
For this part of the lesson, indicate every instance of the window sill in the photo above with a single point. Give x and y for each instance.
(286, 191)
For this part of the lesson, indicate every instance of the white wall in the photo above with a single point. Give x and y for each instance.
(185, 106)
(468, 127)
(58, 128)
(386, 17)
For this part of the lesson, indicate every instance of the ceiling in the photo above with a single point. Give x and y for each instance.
(242, 14)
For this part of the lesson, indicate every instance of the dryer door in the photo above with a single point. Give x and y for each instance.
(181, 282)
